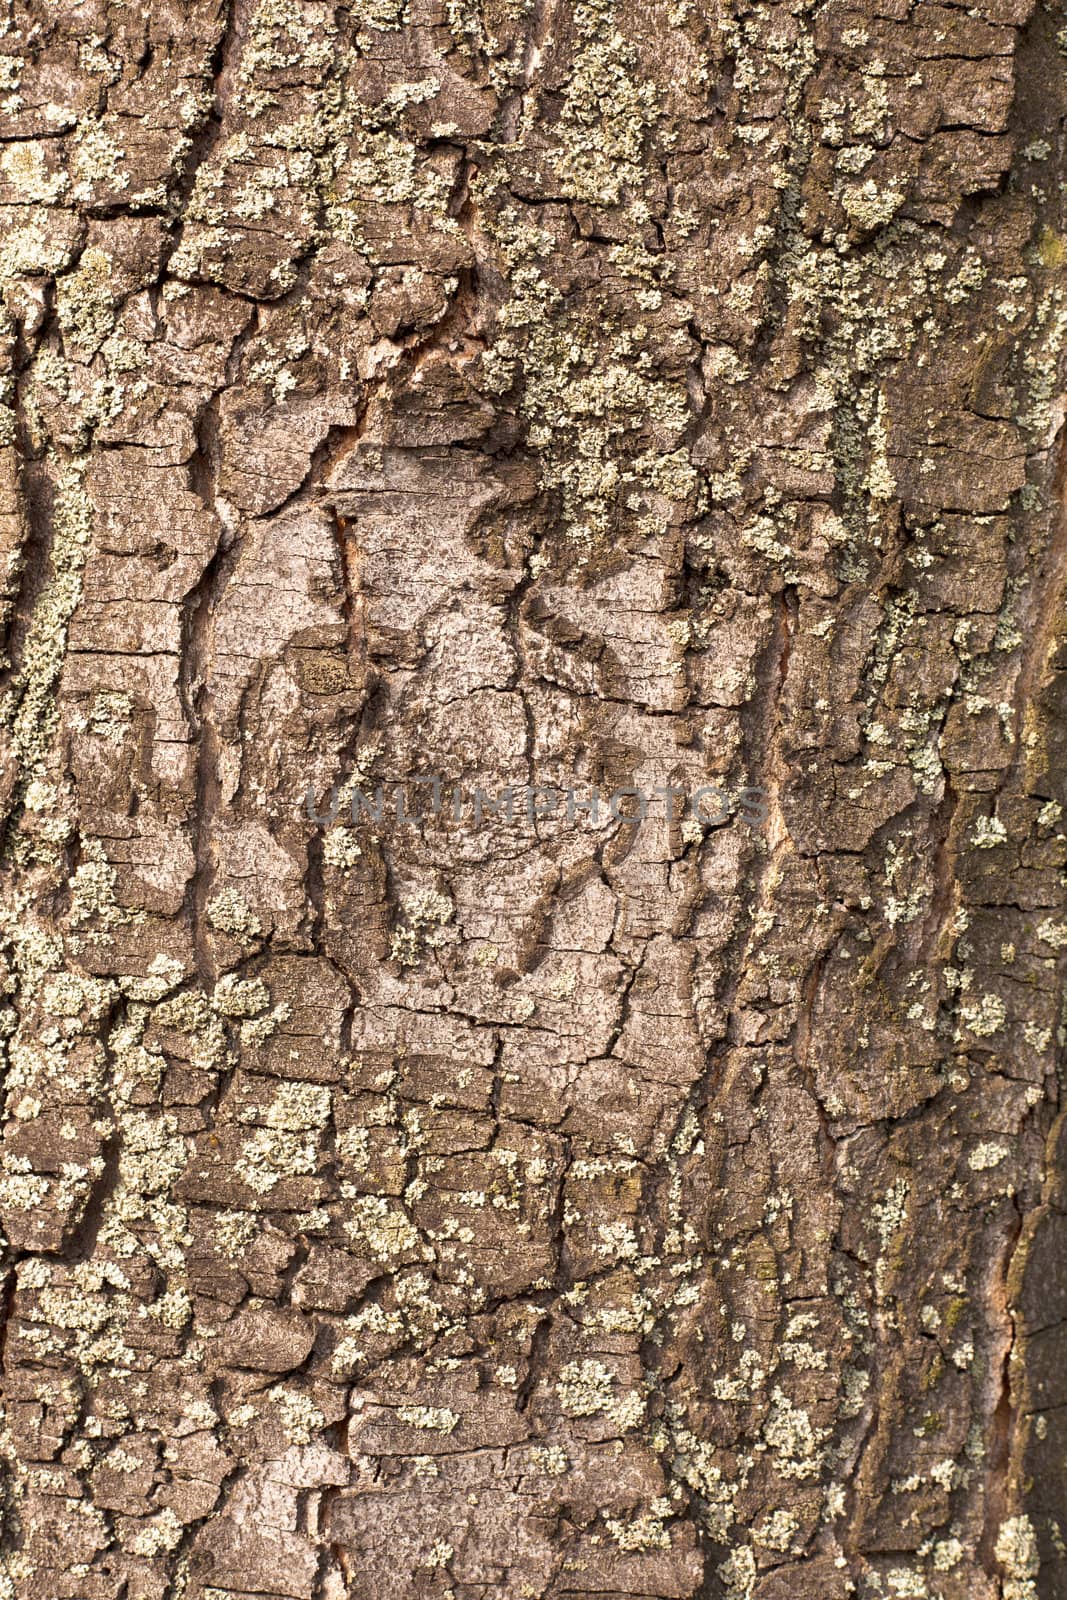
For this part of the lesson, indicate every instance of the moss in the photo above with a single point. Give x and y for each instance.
(1052, 249)
(934, 1373)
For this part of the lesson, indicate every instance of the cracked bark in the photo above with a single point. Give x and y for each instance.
(529, 395)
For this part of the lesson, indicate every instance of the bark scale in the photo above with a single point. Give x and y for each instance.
(406, 1195)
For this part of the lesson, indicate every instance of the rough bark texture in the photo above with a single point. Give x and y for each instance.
(640, 393)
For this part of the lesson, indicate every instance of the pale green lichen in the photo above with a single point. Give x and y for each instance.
(793, 1440)
(28, 707)
(300, 1417)
(240, 997)
(738, 1573)
(1016, 1550)
(987, 1155)
(985, 1016)
(163, 1531)
(870, 206)
(341, 848)
(229, 913)
(645, 1531)
(254, 1033)
(268, 1156)
(93, 897)
(987, 833)
(427, 913)
(26, 169)
(777, 1530)
(281, 34)
(607, 113)
(437, 1419)
(384, 1230)
(585, 1387)
(85, 302)
(97, 157)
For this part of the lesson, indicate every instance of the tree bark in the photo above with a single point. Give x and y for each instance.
(533, 761)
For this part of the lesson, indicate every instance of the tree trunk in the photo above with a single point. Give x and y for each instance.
(533, 755)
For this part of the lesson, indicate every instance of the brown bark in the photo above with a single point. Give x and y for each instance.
(542, 400)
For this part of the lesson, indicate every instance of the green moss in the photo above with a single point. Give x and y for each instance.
(1052, 249)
